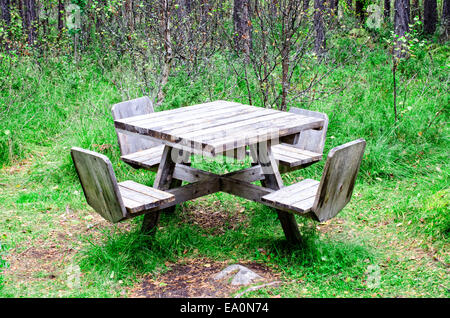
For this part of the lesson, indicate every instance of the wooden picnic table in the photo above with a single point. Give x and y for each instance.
(213, 129)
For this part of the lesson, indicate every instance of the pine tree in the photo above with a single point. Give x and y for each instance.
(242, 25)
(429, 16)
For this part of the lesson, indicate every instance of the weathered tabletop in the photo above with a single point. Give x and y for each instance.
(216, 127)
(211, 129)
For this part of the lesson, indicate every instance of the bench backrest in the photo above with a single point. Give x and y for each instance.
(312, 140)
(99, 183)
(130, 143)
(338, 179)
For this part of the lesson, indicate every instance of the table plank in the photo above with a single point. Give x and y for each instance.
(214, 120)
(216, 127)
(170, 113)
(264, 123)
(265, 131)
(226, 128)
(191, 118)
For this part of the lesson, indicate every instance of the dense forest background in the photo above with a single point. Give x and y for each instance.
(273, 38)
(280, 52)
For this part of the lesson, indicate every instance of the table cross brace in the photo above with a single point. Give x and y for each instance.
(203, 183)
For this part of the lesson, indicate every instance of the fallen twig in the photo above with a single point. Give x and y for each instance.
(435, 116)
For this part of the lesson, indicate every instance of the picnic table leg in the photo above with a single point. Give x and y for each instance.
(163, 181)
(262, 154)
(175, 183)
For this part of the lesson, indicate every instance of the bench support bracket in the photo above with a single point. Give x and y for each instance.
(236, 183)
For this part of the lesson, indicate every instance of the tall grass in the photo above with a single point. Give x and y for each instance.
(43, 100)
(48, 106)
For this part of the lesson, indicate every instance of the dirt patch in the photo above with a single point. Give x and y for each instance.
(39, 262)
(333, 226)
(45, 259)
(19, 167)
(214, 217)
(194, 278)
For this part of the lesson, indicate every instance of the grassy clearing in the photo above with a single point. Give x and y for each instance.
(398, 219)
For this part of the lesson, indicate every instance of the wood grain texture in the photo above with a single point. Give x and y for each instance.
(99, 184)
(291, 156)
(146, 159)
(311, 139)
(133, 143)
(189, 174)
(243, 189)
(162, 181)
(138, 197)
(298, 198)
(177, 113)
(185, 193)
(338, 179)
(250, 174)
(166, 168)
(113, 201)
(328, 197)
(214, 128)
(306, 147)
(262, 154)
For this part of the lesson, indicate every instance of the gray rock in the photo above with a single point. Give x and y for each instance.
(242, 275)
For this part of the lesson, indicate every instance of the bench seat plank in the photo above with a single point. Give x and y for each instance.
(147, 159)
(325, 199)
(291, 156)
(298, 197)
(138, 197)
(140, 188)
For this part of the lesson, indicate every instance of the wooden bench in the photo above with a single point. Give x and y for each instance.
(328, 197)
(306, 148)
(137, 151)
(113, 201)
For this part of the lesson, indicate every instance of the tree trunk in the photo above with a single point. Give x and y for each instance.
(415, 10)
(319, 28)
(446, 19)
(334, 5)
(359, 9)
(285, 61)
(205, 5)
(43, 20)
(429, 16)
(60, 17)
(5, 11)
(5, 16)
(242, 26)
(305, 5)
(22, 13)
(30, 20)
(184, 9)
(387, 10)
(409, 9)
(168, 53)
(401, 26)
(129, 18)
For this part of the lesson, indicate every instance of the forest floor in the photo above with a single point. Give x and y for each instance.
(49, 239)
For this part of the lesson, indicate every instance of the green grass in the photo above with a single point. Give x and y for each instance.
(398, 218)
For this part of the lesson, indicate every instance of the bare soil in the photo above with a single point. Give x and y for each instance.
(194, 278)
